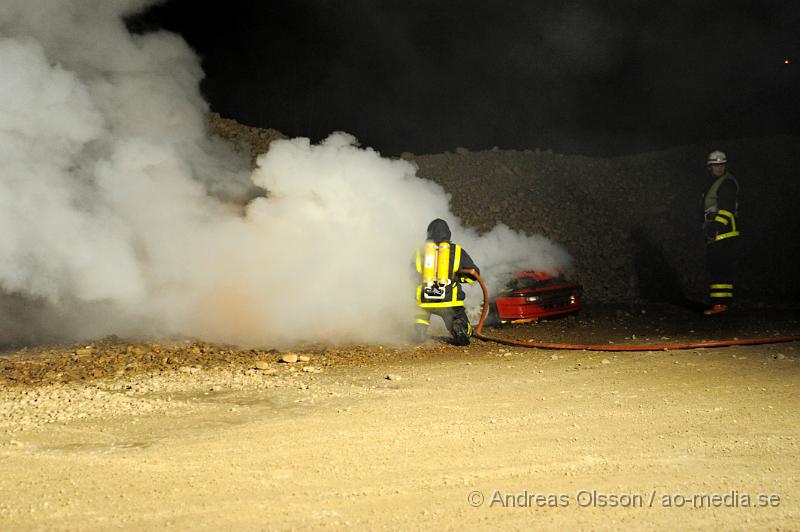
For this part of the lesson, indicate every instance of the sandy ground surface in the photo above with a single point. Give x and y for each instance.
(480, 437)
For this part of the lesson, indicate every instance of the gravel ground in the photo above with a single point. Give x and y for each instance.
(422, 437)
(112, 377)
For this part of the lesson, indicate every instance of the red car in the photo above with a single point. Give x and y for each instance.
(533, 295)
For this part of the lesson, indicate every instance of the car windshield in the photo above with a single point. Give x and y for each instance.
(521, 283)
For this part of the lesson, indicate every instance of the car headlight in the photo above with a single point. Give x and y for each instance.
(532, 299)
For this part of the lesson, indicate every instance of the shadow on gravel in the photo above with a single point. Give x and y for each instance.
(657, 280)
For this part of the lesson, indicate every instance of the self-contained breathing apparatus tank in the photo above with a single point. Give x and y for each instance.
(435, 269)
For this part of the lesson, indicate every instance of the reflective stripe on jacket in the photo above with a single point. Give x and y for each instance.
(721, 209)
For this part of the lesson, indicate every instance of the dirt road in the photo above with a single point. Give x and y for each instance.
(480, 437)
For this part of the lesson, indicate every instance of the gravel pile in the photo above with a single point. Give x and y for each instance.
(115, 357)
(632, 223)
(245, 139)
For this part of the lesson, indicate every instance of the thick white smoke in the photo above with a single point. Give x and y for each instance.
(114, 211)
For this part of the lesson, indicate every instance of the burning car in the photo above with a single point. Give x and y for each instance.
(532, 295)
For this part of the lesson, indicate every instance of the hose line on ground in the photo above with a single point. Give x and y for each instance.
(603, 347)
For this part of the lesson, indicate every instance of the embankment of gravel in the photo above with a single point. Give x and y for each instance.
(631, 223)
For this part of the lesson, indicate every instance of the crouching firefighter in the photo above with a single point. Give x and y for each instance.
(720, 204)
(439, 291)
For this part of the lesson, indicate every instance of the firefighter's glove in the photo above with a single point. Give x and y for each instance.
(711, 229)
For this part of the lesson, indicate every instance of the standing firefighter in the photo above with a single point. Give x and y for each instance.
(439, 291)
(721, 230)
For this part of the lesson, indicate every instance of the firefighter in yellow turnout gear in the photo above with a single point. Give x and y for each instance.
(439, 291)
(721, 229)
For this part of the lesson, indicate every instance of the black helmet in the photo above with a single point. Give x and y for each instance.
(438, 231)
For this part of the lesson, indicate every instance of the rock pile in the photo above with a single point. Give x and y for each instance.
(116, 357)
(245, 139)
(632, 223)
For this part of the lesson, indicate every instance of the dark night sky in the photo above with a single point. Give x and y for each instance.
(427, 76)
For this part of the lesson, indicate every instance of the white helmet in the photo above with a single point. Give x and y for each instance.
(717, 157)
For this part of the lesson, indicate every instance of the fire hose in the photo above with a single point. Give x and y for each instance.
(478, 333)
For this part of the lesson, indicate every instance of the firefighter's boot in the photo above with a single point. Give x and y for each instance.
(461, 332)
(716, 310)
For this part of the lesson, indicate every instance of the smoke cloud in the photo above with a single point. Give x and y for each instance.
(118, 211)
